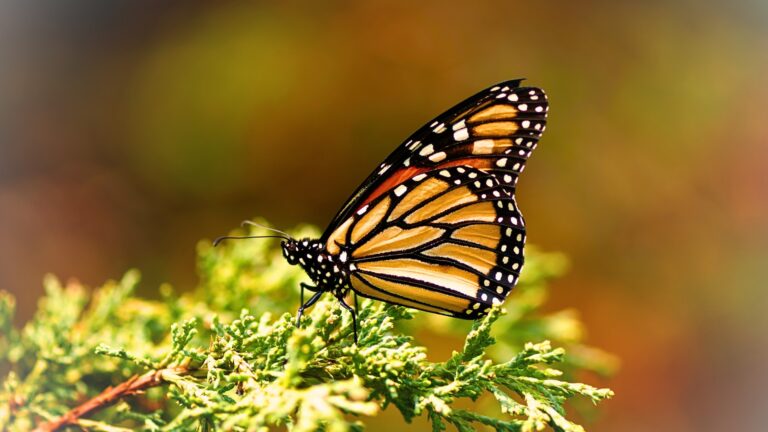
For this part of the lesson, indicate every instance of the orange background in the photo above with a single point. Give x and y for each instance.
(129, 131)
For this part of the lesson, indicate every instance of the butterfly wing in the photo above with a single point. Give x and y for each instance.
(493, 131)
(447, 241)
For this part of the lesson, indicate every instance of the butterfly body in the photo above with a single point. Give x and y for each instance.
(328, 271)
(436, 226)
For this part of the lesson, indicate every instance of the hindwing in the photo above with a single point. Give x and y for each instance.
(448, 241)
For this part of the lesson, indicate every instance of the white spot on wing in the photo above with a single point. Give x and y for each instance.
(400, 190)
(461, 135)
(428, 150)
(437, 157)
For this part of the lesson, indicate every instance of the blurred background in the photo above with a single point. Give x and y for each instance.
(131, 130)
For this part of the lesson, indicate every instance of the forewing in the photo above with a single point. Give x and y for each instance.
(493, 131)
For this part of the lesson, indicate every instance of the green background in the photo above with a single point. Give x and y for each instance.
(130, 130)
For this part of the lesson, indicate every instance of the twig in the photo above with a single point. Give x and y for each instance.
(109, 396)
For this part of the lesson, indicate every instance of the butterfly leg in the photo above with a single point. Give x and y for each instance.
(357, 307)
(352, 311)
(306, 286)
(312, 300)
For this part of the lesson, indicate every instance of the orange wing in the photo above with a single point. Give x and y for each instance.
(493, 131)
(447, 241)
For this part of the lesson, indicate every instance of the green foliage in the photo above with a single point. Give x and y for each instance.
(226, 355)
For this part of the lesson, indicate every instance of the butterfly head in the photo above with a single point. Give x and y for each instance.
(300, 251)
(291, 251)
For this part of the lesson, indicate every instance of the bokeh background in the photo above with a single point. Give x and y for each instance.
(131, 130)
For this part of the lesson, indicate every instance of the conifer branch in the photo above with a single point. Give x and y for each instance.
(228, 356)
(133, 385)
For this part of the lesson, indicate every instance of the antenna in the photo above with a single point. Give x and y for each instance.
(222, 238)
(251, 223)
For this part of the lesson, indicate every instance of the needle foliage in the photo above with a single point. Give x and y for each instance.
(227, 356)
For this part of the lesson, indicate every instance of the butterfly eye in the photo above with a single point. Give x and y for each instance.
(290, 251)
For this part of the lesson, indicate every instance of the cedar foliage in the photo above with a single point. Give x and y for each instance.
(227, 356)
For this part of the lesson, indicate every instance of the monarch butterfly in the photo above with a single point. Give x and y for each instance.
(435, 227)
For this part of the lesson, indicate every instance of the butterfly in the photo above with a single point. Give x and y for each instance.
(436, 226)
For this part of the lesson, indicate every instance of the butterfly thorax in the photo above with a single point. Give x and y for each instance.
(327, 271)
